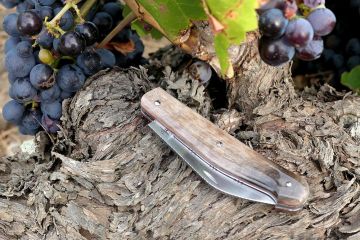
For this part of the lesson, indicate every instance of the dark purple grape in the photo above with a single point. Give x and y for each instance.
(115, 9)
(32, 119)
(22, 90)
(322, 20)
(70, 78)
(45, 39)
(272, 23)
(104, 23)
(89, 31)
(42, 77)
(89, 62)
(107, 58)
(50, 95)
(29, 23)
(276, 52)
(49, 124)
(52, 109)
(13, 111)
(353, 47)
(24, 49)
(299, 32)
(10, 26)
(18, 66)
(288, 7)
(71, 44)
(311, 51)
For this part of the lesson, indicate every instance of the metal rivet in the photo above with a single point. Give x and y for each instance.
(157, 103)
(219, 144)
(288, 184)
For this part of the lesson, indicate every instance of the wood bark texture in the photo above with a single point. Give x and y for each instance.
(108, 176)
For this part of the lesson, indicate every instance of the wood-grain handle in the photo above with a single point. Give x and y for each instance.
(224, 152)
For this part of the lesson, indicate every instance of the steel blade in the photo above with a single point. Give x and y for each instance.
(211, 175)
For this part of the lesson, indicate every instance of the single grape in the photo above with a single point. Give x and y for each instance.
(353, 47)
(24, 49)
(22, 90)
(18, 66)
(11, 43)
(114, 9)
(52, 109)
(70, 78)
(11, 78)
(51, 94)
(124, 35)
(9, 3)
(272, 23)
(71, 44)
(107, 58)
(89, 31)
(104, 23)
(135, 55)
(23, 6)
(322, 20)
(311, 51)
(46, 57)
(29, 23)
(26, 131)
(45, 39)
(67, 20)
(89, 62)
(32, 119)
(44, 12)
(299, 32)
(288, 7)
(10, 26)
(42, 77)
(276, 52)
(49, 124)
(13, 111)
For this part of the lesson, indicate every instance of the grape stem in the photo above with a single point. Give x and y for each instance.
(126, 21)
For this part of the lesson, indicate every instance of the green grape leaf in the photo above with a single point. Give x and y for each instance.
(138, 26)
(352, 79)
(174, 16)
(236, 18)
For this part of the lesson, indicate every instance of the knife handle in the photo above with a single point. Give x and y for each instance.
(224, 152)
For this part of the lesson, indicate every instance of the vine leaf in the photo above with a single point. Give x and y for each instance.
(174, 17)
(139, 26)
(352, 79)
(237, 17)
(230, 21)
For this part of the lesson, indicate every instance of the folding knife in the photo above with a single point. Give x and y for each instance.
(220, 159)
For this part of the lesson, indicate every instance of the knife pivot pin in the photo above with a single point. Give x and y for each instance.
(157, 103)
(219, 144)
(288, 184)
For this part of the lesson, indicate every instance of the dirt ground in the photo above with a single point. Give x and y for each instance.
(10, 139)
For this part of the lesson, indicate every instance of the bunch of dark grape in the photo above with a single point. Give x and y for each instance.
(341, 48)
(293, 28)
(51, 51)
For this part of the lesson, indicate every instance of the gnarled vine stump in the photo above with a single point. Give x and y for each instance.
(108, 176)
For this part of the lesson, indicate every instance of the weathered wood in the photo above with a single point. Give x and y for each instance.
(109, 177)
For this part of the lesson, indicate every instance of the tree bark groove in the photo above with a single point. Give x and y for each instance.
(108, 176)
